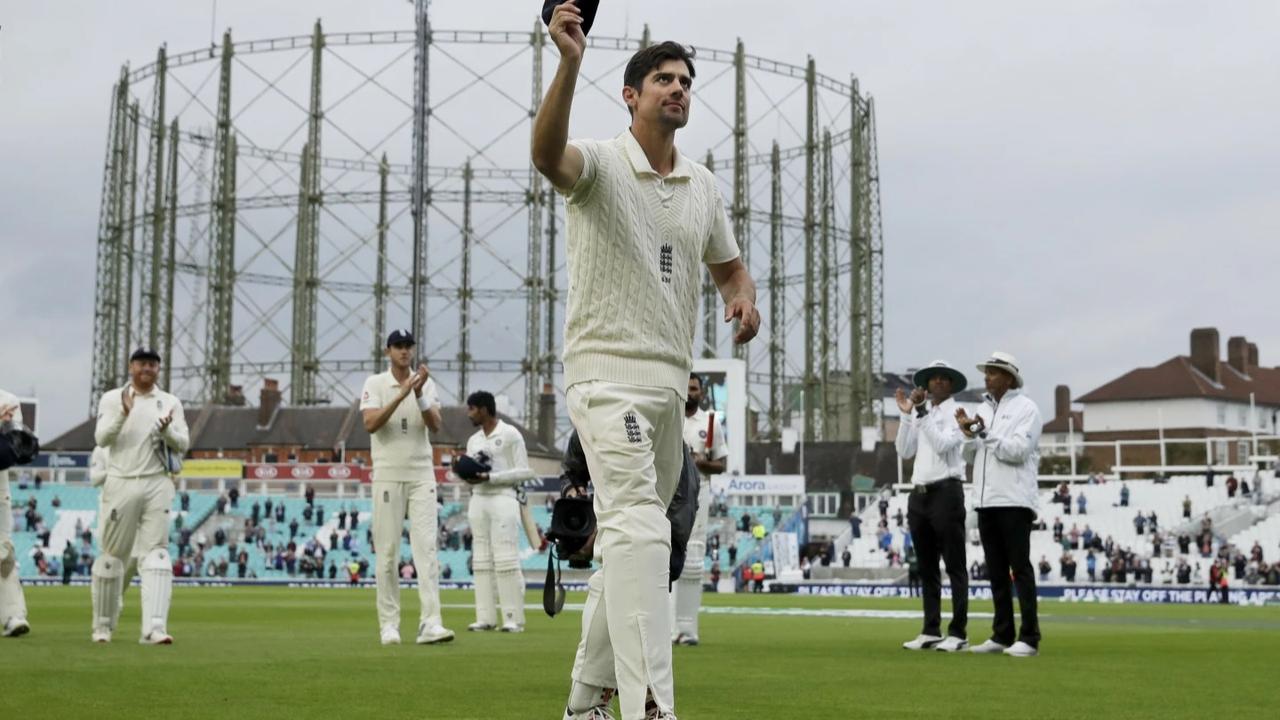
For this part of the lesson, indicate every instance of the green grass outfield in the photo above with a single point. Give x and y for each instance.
(311, 653)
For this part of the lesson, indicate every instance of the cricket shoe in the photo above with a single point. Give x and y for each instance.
(683, 639)
(653, 712)
(511, 628)
(951, 644)
(1021, 649)
(599, 712)
(922, 642)
(990, 647)
(101, 635)
(390, 635)
(432, 634)
(16, 627)
(156, 637)
(479, 627)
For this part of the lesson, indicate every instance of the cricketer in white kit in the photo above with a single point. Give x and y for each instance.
(494, 514)
(704, 434)
(399, 407)
(142, 428)
(13, 606)
(643, 220)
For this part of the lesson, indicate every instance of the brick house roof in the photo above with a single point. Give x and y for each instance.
(1178, 378)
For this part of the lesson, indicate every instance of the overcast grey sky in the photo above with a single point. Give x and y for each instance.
(1079, 185)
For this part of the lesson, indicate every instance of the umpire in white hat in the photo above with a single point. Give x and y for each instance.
(1004, 439)
(935, 510)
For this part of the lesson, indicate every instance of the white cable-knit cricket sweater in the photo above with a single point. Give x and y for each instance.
(636, 246)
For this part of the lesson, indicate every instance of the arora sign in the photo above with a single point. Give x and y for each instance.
(757, 484)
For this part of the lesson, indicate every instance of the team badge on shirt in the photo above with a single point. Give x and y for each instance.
(702, 434)
(664, 262)
(497, 442)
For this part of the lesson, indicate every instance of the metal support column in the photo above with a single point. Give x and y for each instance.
(811, 421)
(380, 289)
(223, 250)
(306, 281)
(876, 249)
(131, 220)
(153, 234)
(533, 280)
(824, 291)
(859, 342)
(464, 288)
(165, 344)
(741, 177)
(420, 193)
(108, 362)
(777, 298)
(709, 295)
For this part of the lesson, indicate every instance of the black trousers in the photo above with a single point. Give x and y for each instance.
(1006, 540)
(937, 531)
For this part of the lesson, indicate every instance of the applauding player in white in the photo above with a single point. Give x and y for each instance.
(404, 481)
(143, 428)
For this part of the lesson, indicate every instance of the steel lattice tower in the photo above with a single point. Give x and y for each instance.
(270, 231)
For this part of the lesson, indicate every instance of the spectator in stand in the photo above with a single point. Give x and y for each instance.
(293, 528)
(68, 562)
(1208, 477)
(1066, 502)
(913, 573)
(1124, 494)
(733, 554)
(307, 513)
(1045, 568)
(1074, 536)
(310, 495)
(898, 517)
(855, 525)
(1255, 553)
(715, 578)
(846, 557)
(1139, 522)
(280, 512)
(184, 501)
(1057, 530)
(234, 496)
(744, 523)
(1232, 486)
(1087, 537)
(1186, 507)
(1091, 566)
(319, 515)
(1068, 564)
(333, 540)
(1215, 574)
(342, 519)
(1081, 503)
(1152, 522)
(805, 567)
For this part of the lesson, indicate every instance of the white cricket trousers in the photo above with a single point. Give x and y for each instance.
(12, 603)
(495, 556)
(399, 493)
(686, 596)
(632, 438)
(133, 521)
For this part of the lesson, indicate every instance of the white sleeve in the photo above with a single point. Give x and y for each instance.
(177, 436)
(517, 458)
(719, 449)
(111, 419)
(581, 189)
(370, 398)
(721, 246)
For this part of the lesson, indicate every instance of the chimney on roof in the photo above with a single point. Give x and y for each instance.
(1238, 354)
(1061, 401)
(1204, 352)
(1253, 355)
(268, 402)
(547, 416)
(235, 396)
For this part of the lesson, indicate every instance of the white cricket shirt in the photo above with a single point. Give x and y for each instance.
(403, 442)
(636, 244)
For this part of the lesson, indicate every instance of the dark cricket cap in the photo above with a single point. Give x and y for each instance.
(398, 337)
(144, 354)
(588, 8)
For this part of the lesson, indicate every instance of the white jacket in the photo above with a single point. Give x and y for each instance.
(1007, 461)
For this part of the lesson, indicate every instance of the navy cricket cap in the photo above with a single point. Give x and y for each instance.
(144, 354)
(588, 8)
(400, 337)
